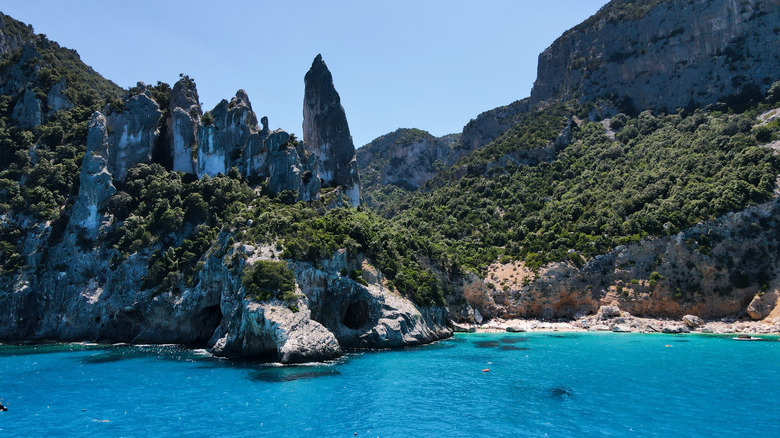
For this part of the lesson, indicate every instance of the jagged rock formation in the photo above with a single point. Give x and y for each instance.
(326, 132)
(75, 285)
(132, 132)
(185, 113)
(225, 141)
(211, 144)
(96, 182)
(663, 54)
(406, 158)
(27, 111)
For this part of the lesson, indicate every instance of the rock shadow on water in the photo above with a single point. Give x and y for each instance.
(487, 344)
(117, 353)
(28, 349)
(513, 340)
(285, 374)
(563, 335)
(513, 348)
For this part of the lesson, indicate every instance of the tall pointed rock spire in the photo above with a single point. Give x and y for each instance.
(326, 132)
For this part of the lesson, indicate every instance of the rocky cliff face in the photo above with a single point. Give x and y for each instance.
(132, 132)
(96, 181)
(406, 158)
(326, 132)
(103, 303)
(76, 284)
(714, 269)
(664, 54)
(185, 114)
(489, 125)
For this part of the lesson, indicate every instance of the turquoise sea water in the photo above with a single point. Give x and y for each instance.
(588, 384)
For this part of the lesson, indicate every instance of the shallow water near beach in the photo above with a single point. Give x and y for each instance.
(591, 384)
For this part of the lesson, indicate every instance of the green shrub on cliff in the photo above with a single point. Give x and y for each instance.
(265, 280)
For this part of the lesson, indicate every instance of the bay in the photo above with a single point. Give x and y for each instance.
(554, 384)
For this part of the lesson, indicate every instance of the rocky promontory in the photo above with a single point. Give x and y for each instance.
(69, 272)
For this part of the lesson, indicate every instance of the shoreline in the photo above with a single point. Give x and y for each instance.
(625, 324)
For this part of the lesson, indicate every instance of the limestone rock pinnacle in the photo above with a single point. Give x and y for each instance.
(326, 132)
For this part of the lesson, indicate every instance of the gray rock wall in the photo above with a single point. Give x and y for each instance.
(132, 133)
(96, 180)
(326, 132)
(185, 114)
(680, 52)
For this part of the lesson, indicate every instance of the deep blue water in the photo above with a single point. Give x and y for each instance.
(588, 384)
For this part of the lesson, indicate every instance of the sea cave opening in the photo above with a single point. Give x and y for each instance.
(356, 315)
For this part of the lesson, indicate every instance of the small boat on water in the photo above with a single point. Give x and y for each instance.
(744, 337)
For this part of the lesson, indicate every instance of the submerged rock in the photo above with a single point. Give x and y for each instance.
(675, 329)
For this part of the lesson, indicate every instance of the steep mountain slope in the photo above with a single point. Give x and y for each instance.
(556, 193)
(403, 160)
(407, 158)
(638, 55)
(664, 54)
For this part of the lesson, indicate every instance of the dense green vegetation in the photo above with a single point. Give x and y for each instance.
(554, 187)
(308, 233)
(182, 219)
(266, 280)
(39, 168)
(661, 173)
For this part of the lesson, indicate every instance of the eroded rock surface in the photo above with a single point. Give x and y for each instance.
(132, 132)
(326, 132)
(663, 55)
(185, 114)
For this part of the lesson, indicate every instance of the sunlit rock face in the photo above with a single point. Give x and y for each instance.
(664, 55)
(132, 132)
(185, 114)
(224, 139)
(326, 132)
(96, 182)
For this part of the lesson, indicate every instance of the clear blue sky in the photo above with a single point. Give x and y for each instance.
(428, 64)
